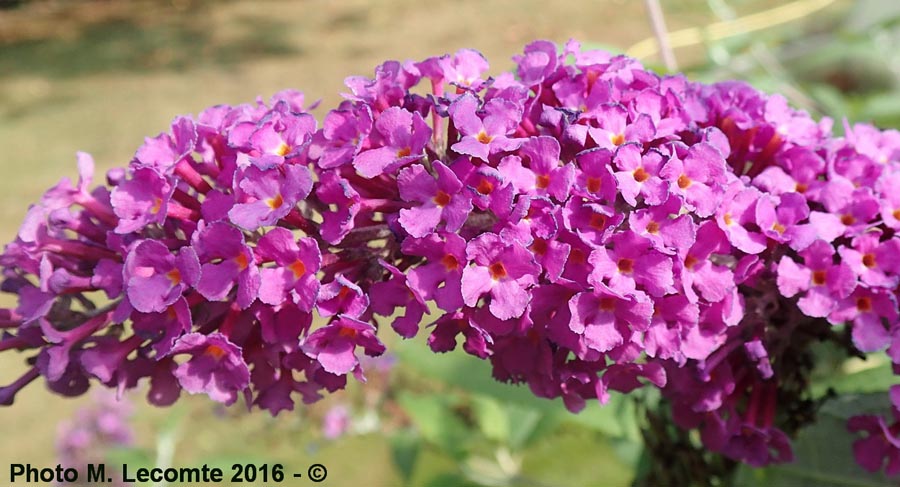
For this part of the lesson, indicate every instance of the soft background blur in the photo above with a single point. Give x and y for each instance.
(99, 75)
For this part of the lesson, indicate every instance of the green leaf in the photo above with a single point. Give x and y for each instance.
(492, 418)
(875, 379)
(405, 448)
(474, 375)
(435, 420)
(823, 451)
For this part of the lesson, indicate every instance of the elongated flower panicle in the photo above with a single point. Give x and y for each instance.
(585, 224)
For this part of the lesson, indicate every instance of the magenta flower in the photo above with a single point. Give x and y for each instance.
(440, 277)
(632, 262)
(269, 195)
(868, 310)
(607, 320)
(402, 137)
(340, 296)
(615, 129)
(638, 175)
(397, 292)
(294, 275)
(334, 346)
(874, 262)
(440, 199)
(482, 138)
(595, 180)
(550, 176)
(697, 178)
(341, 138)
(226, 261)
(141, 200)
(155, 278)
(164, 151)
(505, 270)
(822, 281)
(880, 449)
(215, 367)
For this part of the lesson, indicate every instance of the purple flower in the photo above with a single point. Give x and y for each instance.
(294, 274)
(821, 281)
(697, 178)
(334, 345)
(342, 136)
(155, 278)
(141, 200)
(441, 199)
(490, 135)
(445, 255)
(403, 136)
(505, 270)
(269, 195)
(881, 443)
(607, 320)
(397, 292)
(226, 260)
(341, 296)
(215, 368)
(638, 175)
(632, 262)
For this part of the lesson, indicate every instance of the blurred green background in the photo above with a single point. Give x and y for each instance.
(99, 75)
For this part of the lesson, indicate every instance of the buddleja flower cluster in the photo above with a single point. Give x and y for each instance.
(585, 224)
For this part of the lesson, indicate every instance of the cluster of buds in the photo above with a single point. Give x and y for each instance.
(583, 223)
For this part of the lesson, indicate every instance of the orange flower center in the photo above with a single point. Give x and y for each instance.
(617, 139)
(684, 181)
(175, 276)
(450, 263)
(543, 181)
(298, 268)
(868, 260)
(483, 137)
(690, 261)
(608, 304)
(283, 149)
(347, 333)
(653, 228)
(498, 271)
(539, 246)
(485, 187)
(640, 175)
(157, 205)
(241, 261)
(598, 221)
(801, 188)
(896, 214)
(404, 152)
(819, 278)
(778, 227)
(593, 185)
(441, 199)
(864, 304)
(626, 266)
(215, 351)
(848, 219)
(275, 202)
(727, 219)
